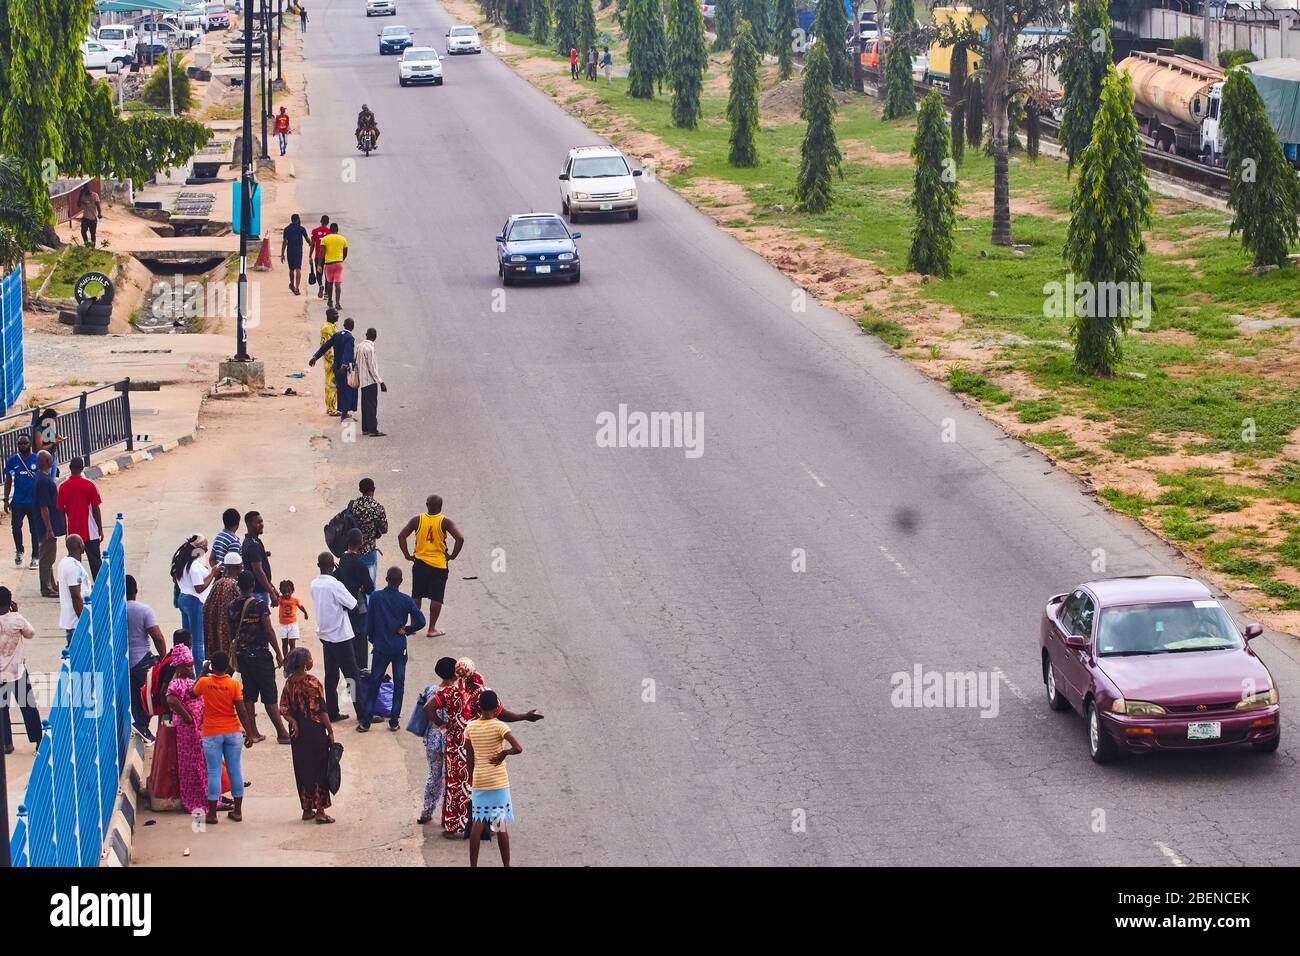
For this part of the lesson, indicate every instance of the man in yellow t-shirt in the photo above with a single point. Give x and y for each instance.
(486, 741)
(429, 563)
(334, 249)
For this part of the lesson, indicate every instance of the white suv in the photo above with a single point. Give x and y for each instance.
(597, 179)
(381, 8)
(463, 39)
(419, 64)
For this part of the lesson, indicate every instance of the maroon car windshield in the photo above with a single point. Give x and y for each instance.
(1171, 628)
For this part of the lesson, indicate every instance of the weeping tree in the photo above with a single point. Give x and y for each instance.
(758, 13)
(820, 154)
(586, 28)
(974, 112)
(566, 26)
(1263, 194)
(830, 27)
(646, 53)
(1109, 209)
(934, 192)
(21, 225)
(517, 15)
(725, 17)
(957, 93)
(1088, 54)
(1033, 127)
(900, 93)
(539, 26)
(688, 57)
(742, 103)
(787, 22)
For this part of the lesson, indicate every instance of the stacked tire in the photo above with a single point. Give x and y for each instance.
(93, 312)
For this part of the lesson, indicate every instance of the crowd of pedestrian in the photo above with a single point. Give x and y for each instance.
(604, 59)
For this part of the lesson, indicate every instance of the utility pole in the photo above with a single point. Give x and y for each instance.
(1205, 32)
(856, 27)
(171, 95)
(279, 41)
(246, 190)
(266, 93)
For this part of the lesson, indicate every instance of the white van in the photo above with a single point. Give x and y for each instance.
(119, 36)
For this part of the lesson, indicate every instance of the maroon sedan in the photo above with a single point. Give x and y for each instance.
(1156, 663)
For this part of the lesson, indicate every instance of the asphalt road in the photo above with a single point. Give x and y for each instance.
(706, 702)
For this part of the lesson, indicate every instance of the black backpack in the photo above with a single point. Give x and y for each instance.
(336, 531)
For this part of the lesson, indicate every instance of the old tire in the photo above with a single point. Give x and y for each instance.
(84, 329)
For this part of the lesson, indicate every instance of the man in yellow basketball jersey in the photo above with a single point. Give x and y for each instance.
(429, 563)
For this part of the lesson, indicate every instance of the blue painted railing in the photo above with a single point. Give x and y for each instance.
(73, 784)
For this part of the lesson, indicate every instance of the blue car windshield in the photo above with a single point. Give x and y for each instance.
(1166, 629)
(527, 229)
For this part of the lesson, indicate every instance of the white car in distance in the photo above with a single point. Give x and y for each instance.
(96, 56)
(381, 8)
(463, 39)
(419, 64)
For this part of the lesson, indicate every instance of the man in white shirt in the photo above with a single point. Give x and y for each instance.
(371, 385)
(74, 584)
(332, 602)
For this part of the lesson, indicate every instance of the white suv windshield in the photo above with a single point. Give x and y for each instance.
(599, 166)
(110, 34)
(537, 229)
(463, 32)
(420, 55)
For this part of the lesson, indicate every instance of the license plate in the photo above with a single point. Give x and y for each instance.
(545, 269)
(1208, 730)
(606, 206)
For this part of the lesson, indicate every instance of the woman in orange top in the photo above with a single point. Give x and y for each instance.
(224, 735)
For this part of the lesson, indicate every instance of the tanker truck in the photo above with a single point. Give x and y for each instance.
(1177, 101)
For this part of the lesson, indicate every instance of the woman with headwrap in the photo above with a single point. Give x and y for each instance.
(188, 723)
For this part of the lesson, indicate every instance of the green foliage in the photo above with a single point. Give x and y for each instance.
(742, 103)
(820, 154)
(586, 28)
(830, 27)
(566, 28)
(1110, 208)
(934, 192)
(1189, 45)
(688, 57)
(887, 330)
(539, 24)
(20, 222)
(1231, 58)
(964, 381)
(1033, 129)
(900, 93)
(725, 17)
(787, 21)
(156, 92)
(41, 83)
(957, 92)
(1034, 410)
(517, 15)
(759, 15)
(646, 54)
(1263, 192)
(1083, 68)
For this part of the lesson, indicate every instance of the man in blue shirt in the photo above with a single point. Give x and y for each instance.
(390, 610)
(20, 482)
(51, 524)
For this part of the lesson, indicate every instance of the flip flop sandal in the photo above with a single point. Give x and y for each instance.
(323, 820)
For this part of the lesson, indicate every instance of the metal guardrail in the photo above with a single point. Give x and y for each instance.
(73, 784)
(87, 429)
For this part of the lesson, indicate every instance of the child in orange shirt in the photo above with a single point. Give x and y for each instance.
(287, 629)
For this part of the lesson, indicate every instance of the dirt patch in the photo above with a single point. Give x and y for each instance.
(978, 204)
(781, 104)
(866, 153)
(720, 199)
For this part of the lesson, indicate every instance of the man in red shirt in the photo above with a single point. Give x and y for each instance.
(282, 129)
(318, 254)
(573, 61)
(79, 500)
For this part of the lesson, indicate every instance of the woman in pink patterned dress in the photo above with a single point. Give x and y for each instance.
(192, 766)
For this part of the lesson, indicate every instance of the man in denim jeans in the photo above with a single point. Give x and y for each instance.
(225, 731)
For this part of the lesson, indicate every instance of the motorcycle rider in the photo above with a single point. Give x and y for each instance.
(366, 120)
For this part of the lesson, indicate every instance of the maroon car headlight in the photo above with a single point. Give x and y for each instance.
(1255, 701)
(1137, 708)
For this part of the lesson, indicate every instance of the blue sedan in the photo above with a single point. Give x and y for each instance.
(395, 40)
(537, 245)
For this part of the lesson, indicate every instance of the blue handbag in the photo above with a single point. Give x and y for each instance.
(419, 722)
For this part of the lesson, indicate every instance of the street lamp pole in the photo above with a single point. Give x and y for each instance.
(279, 41)
(246, 191)
(266, 93)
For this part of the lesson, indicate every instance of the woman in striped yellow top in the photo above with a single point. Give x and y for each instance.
(485, 758)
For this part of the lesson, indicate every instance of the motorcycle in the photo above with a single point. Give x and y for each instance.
(367, 141)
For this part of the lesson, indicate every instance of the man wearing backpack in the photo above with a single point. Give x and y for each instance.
(141, 630)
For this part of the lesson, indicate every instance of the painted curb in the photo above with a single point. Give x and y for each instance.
(113, 465)
(116, 850)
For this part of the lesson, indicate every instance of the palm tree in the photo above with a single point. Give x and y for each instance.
(20, 222)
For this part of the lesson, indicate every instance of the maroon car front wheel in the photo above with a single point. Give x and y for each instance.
(1100, 745)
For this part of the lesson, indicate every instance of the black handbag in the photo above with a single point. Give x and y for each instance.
(333, 767)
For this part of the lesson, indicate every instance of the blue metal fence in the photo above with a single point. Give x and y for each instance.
(11, 337)
(72, 788)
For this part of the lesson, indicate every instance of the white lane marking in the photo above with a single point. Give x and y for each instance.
(898, 565)
(1170, 854)
(1016, 691)
(812, 475)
